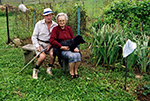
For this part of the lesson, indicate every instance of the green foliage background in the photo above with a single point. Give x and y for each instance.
(131, 13)
(122, 20)
(23, 23)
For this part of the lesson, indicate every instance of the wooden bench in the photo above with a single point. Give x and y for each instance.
(29, 52)
(65, 65)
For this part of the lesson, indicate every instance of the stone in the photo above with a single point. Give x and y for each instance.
(17, 42)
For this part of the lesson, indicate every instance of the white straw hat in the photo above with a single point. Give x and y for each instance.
(47, 11)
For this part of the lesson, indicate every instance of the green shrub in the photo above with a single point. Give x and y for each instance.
(133, 14)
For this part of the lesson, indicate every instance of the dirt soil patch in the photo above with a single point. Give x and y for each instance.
(142, 95)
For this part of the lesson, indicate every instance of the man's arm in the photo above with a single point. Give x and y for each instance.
(34, 36)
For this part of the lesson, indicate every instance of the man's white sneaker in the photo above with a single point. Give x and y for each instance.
(35, 73)
(49, 70)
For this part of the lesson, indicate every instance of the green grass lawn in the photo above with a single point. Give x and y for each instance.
(93, 84)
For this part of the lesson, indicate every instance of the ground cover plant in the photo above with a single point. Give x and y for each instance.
(95, 82)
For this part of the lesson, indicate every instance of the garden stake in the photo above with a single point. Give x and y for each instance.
(126, 75)
(31, 61)
(128, 48)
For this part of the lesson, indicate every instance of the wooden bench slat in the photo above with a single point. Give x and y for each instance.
(29, 47)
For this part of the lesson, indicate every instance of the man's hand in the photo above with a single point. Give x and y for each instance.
(39, 49)
(76, 50)
(65, 48)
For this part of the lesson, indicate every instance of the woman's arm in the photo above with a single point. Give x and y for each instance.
(53, 38)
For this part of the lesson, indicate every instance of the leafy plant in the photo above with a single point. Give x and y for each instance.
(105, 46)
(134, 14)
(143, 52)
(147, 89)
(108, 43)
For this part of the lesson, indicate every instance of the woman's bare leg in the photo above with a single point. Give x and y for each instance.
(76, 67)
(71, 66)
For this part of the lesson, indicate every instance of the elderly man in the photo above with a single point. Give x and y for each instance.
(40, 40)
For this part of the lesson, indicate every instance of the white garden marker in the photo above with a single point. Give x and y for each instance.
(128, 48)
(22, 7)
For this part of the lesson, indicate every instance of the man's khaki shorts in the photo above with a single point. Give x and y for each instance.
(43, 45)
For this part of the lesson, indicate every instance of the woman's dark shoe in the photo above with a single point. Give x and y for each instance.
(72, 76)
(76, 75)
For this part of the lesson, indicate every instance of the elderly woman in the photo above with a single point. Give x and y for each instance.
(62, 33)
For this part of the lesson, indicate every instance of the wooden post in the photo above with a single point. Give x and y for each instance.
(79, 23)
(7, 24)
(45, 5)
(22, 1)
(78, 20)
(33, 17)
(126, 75)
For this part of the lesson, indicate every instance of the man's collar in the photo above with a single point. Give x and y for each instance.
(43, 21)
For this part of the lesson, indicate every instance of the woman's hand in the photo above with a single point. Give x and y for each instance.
(48, 48)
(76, 50)
(65, 48)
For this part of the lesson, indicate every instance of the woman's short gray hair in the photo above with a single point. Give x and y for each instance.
(61, 14)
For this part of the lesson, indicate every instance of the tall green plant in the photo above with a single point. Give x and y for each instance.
(105, 47)
(143, 52)
(109, 41)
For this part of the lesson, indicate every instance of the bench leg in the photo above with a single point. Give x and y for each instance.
(28, 55)
(65, 65)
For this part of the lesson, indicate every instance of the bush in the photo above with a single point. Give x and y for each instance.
(134, 15)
